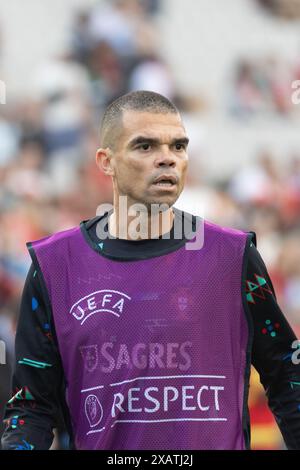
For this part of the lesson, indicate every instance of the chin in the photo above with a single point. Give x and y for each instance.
(168, 201)
(148, 199)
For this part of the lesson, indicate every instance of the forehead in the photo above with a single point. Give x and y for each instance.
(160, 125)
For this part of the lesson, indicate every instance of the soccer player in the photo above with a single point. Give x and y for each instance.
(141, 330)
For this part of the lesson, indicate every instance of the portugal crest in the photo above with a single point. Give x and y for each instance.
(90, 356)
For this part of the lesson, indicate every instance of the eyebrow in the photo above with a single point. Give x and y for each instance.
(150, 140)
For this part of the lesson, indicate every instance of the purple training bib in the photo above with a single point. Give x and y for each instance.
(154, 351)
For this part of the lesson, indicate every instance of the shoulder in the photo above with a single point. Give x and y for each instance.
(55, 238)
(213, 231)
(227, 233)
(55, 247)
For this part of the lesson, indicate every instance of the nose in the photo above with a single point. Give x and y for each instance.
(165, 158)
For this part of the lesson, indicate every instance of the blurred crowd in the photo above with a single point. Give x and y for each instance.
(49, 180)
(262, 87)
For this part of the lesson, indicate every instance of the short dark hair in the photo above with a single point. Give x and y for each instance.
(141, 100)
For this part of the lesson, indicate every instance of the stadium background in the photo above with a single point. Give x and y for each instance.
(229, 66)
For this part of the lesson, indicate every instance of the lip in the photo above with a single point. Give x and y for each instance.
(165, 188)
(171, 178)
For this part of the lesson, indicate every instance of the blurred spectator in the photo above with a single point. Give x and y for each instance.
(80, 40)
(62, 86)
(9, 137)
(288, 9)
(151, 73)
(124, 25)
(259, 184)
(261, 86)
(25, 177)
(108, 77)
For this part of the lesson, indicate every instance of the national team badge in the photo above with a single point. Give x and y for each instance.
(90, 356)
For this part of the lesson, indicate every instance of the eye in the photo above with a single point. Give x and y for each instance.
(144, 146)
(179, 146)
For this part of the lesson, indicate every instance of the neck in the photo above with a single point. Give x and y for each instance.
(140, 226)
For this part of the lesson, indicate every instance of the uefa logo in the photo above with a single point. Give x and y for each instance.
(93, 410)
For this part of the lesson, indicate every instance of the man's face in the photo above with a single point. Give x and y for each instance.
(150, 145)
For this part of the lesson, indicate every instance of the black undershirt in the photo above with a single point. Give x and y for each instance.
(41, 409)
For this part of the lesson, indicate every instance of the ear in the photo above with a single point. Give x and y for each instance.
(103, 161)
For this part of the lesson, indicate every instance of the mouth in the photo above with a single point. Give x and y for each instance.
(164, 184)
(165, 181)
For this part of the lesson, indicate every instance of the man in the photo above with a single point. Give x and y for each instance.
(142, 341)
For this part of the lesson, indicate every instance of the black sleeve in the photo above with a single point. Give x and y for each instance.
(31, 413)
(275, 354)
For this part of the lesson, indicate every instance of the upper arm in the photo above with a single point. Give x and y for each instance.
(37, 383)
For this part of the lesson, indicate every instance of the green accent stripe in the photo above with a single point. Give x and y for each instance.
(294, 383)
(261, 280)
(19, 395)
(36, 362)
(28, 395)
(32, 363)
(252, 286)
